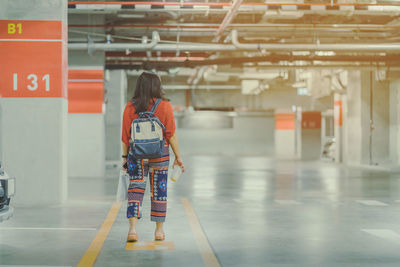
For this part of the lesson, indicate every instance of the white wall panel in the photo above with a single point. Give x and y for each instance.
(86, 150)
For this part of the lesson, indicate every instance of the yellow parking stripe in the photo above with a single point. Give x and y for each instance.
(206, 252)
(91, 254)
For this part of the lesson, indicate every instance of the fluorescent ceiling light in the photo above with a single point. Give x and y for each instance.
(325, 53)
(300, 53)
(299, 84)
(131, 16)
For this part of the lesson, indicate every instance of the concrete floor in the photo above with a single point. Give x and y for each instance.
(254, 211)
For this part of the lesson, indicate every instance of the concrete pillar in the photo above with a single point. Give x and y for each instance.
(33, 77)
(311, 135)
(116, 101)
(86, 135)
(357, 117)
(395, 118)
(285, 134)
(338, 126)
(381, 120)
(366, 145)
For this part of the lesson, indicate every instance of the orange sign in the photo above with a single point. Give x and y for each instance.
(31, 65)
(30, 29)
(311, 120)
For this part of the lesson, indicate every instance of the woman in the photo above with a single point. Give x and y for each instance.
(148, 89)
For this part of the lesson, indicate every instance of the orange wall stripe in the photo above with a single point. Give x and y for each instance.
(85, 91)
(85, 74)
(284, 121)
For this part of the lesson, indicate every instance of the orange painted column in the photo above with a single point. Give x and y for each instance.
(285, 134)
(338, 127)
(86, 122)
(33, 99)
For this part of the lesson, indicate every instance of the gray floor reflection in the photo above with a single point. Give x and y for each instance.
(254, 211)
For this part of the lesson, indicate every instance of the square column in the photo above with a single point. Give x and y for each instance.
(33, 98)
(395, 118)
(366, 119)
(285, 135)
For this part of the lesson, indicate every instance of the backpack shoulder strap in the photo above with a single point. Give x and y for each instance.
(153, 109)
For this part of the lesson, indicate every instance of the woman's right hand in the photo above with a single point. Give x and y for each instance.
(179, 162)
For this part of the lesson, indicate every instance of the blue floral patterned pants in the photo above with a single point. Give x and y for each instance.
(157, 171)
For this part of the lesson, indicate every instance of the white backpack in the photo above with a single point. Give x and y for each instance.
(147, 134)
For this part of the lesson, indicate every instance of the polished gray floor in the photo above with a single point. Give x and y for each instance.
(254, 211)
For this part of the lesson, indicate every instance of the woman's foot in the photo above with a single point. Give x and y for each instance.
(132, 237)
(159, 236)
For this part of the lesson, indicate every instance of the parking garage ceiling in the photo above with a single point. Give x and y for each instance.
(243, 33)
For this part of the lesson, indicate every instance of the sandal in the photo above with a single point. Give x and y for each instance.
(132, 238)
(159, 237)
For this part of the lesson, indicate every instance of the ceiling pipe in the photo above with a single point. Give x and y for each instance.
(154, 45)
(278, 27)
(157, 47)
(284, 67)
(202, 87)
(227, 19)
(118, 46)
(313, 47)
(215, 4)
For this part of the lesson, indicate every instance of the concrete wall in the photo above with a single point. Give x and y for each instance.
(82, 60)
(250, 136)
(86, 150)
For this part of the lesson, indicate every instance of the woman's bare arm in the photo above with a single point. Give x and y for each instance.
(173, 141)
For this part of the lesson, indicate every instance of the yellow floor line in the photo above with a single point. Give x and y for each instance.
(206, 252)
(95, 247)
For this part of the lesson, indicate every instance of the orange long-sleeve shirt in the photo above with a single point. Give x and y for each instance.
(163, 112)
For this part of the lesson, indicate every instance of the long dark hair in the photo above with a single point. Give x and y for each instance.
(148, 86)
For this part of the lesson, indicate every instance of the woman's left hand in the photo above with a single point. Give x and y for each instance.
(124, 164)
